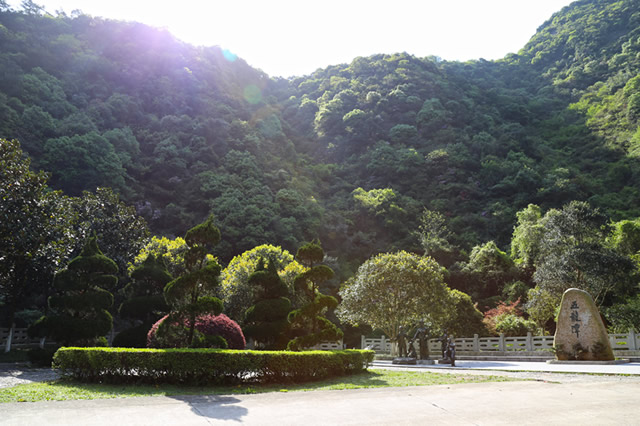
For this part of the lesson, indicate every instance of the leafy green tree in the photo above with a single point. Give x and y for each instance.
(170, 251)
(433, 233)
(489, 269)
(83, 162)
(574, 254)
(191, 294)
(145, 302)
(624, 316)
(308, 321)
(464, 318)
(121, 231)
(79, 309)
(35, 230)
(542, 307)
(237, 293)
(266, 321)
(625, 238)
(527, 236)
(396, 289)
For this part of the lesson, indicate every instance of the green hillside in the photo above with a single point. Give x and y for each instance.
(350, 154)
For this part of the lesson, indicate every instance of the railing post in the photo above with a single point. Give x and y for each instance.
(501, 345)
(383, 344)
(529, 341)
(633, 346)
(612, 340)
(362, 341)
(7, 346)
(476, 343)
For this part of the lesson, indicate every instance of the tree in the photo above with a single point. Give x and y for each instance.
(266, 321)
(145, 303)
(488, 270)
(396, 289)
(121, 231)
(191, 294)
(542, 307)
(433, 232)
(573, 254)
(464, 319)
(309, 320)
(171, 251)
(527, 236)
(35, 230)
(235, 288)
(80, 315)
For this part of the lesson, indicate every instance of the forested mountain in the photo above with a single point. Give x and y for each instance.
(350, 154)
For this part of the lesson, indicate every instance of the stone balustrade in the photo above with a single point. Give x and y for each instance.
(624, 345)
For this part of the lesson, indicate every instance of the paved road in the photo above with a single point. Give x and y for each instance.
(506, 403)
(555, 398)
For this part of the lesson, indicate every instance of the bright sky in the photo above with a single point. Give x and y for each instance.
(293, 37)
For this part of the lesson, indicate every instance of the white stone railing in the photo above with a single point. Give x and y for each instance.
(334, 346)
(619, 342)
(18, 337)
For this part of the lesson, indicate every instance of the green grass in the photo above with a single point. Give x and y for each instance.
(61, 390)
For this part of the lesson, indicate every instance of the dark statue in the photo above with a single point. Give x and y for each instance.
(448, 349)
(401, 339)
(422, 338)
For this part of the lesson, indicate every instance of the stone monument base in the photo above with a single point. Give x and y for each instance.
(573, 361)
(404, 361)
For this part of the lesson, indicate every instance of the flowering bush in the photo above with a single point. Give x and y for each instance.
(208, 325)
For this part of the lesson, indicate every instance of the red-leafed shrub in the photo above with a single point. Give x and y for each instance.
(209, 325)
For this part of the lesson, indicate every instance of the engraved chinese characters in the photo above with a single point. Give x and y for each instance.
(580, 333)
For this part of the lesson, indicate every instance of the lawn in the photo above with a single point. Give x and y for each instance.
(61, 390)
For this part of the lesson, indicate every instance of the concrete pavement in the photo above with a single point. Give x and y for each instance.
(588, 399)
(627, 368)
(505, 403)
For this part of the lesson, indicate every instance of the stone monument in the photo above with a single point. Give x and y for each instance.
(580, 332)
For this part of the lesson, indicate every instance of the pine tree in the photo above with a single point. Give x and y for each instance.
(191, 294)
(266, 321)
(145, 303)
(309, 320)
(80, 315)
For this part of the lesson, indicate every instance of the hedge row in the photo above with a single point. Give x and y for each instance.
(206, 366)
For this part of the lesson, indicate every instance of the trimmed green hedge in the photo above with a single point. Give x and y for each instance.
(207, 366)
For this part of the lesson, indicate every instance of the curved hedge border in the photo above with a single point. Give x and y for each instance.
(206, 366)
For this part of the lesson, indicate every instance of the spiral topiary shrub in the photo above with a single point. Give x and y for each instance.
(208, 326)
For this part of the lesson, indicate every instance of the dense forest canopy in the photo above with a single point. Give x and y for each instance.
(351, 154)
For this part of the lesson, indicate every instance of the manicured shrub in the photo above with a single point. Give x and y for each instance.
(308, 323)
(79, 313)
(207, 366)
(145, 303)
(207, 325)
(266, 321)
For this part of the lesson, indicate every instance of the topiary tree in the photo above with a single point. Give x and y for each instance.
(266, 321)
(210, 331)
(145, 302)
(191, 294)
(80, 315)
(308, 321)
